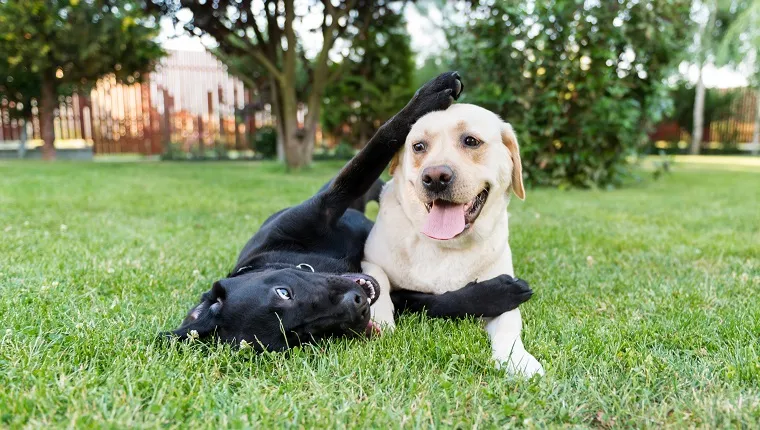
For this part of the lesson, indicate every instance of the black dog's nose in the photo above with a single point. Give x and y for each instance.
(437, 178)
(355, 301)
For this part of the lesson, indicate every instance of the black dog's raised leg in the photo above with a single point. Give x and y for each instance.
(486, 299)
(358, 175)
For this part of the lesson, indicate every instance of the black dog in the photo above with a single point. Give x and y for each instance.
(298, 279)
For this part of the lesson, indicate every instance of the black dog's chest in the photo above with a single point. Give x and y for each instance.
(346, 239)
(337, 248)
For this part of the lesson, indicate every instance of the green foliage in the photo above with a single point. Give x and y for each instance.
(432, 67)
(375, 81)
(742, 41)
(662, 165)
(265, 142)
(581, 83)
(73, 43)
(344, 151)
(175, 151)
(713, 19)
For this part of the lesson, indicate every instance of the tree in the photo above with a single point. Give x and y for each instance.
(742, 43)
(375, 83)
(51, 44)
(714, 17)
(265, 33)
(18, 89)
(581, 82)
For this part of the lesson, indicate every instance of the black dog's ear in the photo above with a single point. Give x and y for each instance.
(212, 300)
(201, 321)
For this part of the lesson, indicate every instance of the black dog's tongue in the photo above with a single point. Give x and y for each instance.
(373, 329)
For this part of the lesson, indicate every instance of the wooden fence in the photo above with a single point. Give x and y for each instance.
(190, 101)
(737, 128)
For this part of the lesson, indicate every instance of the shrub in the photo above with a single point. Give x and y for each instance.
(582, 83)
(343, 151)
(265, 142)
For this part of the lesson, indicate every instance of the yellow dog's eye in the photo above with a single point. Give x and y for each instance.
(419, 147)
(471, 142)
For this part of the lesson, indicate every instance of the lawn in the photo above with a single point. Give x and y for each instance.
(646, 312)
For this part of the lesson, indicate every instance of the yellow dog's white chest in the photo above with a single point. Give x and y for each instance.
(418, 263)
(431, 271)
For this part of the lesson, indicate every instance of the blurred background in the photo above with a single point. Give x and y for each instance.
(590, 86)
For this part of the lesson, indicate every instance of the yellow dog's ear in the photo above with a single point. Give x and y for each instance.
(509, 139)
(394, 163)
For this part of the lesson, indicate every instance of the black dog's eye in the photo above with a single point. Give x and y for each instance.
(471, 142)
(419, 147)
(283, 293)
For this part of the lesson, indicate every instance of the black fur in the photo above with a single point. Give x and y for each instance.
(489, 298)
(325, 233)
(360, 204)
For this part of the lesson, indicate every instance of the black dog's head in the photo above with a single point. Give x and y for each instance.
(278, 309)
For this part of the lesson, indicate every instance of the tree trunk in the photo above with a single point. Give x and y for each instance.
(699, 115)
(298, 143)
(47, 116)
(310, 132)
(295, 145)
(756, 132)
(278, 114)
(22, 140)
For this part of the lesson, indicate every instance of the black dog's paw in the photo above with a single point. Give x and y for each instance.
(437, 94)
(512, 291)
(449, 83)
(504, 293)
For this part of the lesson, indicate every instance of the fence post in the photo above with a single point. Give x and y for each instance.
(201, 143)
(250, 115)
(84, 101)
(166, 131)
(6, 125)
(22, 140)
(95, 122)
(209, 123)
(154, 120)
(219, 104)
(236, 103)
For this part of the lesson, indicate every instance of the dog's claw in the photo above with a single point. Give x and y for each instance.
(459, 86)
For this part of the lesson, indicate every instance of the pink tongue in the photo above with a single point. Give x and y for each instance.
(444, 221)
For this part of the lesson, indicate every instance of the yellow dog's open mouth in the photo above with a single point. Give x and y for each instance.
(447, 220)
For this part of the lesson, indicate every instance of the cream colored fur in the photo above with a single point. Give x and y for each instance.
(398, 255)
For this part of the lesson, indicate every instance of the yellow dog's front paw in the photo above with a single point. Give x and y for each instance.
(520, 364)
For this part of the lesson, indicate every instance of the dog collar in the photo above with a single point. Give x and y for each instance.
(244, 269)
(304, 266)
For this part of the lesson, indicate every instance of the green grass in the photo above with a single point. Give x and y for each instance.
(646, 312)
